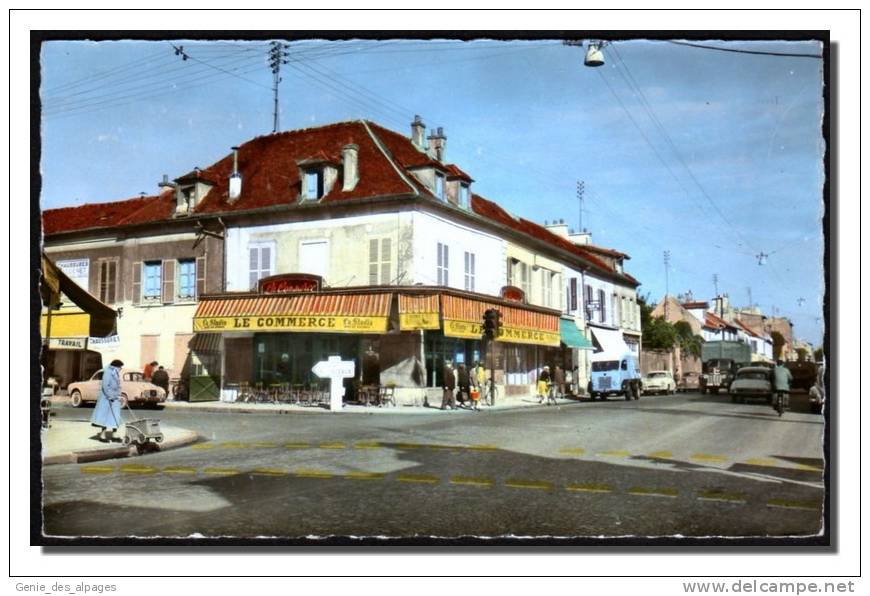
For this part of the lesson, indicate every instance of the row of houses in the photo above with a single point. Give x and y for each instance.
(336, 240)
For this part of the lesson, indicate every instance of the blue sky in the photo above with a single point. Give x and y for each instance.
(714, 156)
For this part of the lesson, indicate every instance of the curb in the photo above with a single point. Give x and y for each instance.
(89, 455)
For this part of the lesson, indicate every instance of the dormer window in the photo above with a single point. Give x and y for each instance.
(439, 186)
(464, 195)
(312, 185)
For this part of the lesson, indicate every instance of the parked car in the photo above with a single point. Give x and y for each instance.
(659, 381)
(690, 381)
(752, 382)
(134, 390)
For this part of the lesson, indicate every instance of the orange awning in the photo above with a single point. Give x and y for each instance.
(314, 313)
(463, 317)
(419, 312)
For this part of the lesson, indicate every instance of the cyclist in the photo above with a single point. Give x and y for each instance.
(781, 384)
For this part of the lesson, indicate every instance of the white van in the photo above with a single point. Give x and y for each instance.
(615, 375)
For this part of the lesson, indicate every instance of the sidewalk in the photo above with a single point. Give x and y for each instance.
(511, 403)
(74, 441)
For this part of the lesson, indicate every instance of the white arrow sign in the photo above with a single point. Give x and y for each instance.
(335, 369)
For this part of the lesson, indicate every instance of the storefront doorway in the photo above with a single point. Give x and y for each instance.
(289, 357)
(440, 348)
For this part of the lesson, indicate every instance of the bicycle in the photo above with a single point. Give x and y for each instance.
(779, 403)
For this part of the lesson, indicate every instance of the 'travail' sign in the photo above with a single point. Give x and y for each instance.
(286, 283)
(313, 323)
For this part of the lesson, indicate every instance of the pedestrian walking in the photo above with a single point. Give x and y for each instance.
(448, 384)
(149, 369)
(558, 383)
(107, 412)
(161, 378)
(463, 380)
(544, 385)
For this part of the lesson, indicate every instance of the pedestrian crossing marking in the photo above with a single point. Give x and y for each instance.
(572, 451)
(590, 488)
(793, 504)
(418, 478)
(221, 471)
(137, 469)
(470, 481)
(641, 491)
(269, 472)
(708, 457)
(333, 446)
(310, 473)
(616, 453)
(297, 445)
(179, 470)
(364, 476)
(532, 484)
(97, 469)
(721, 496)
(661, 455)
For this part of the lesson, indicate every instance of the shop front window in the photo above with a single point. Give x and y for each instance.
(440, 348)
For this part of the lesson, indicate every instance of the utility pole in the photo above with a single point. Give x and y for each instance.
(581, 189)
(716, 287)
(277, 57)
(667, 284)
(749, 291)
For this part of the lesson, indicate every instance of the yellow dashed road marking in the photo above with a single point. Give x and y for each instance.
(265, 445)
(97, 469)
(708, 457)
(721, 496)
(234, 445)
(533, 484)
(661, 455)
(297, 445)
(808, 468)
(761, 461)
(364, 476)
(483, 447)
(590, 488)
(442, 447)
(373, 445)
(269, 472)
(408, 445)
(572, 451)
(616, 453)
(470, 481)
(204, 446)
(418, 478)
(333, 446)
(307, 473)
(221, 471)
(179, 470)
(790, 504)
(641, 491)
(137, 469)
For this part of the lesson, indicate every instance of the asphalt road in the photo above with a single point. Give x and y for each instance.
(684, 465)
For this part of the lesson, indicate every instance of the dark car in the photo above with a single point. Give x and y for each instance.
(690, 381)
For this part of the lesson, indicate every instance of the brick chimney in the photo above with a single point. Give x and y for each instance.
(437, 144)
(418, 132)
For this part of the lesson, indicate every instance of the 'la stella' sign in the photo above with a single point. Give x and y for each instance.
(287, 283)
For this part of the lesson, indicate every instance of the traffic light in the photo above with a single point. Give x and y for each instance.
(491, 323)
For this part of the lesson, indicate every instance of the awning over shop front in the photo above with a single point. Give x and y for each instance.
(419, 312)
(463, 317)
(313, 313)
(610, 341)
(205, 343)
(97, 320)
(571, 335)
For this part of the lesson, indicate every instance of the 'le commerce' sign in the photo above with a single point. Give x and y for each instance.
(287, 283)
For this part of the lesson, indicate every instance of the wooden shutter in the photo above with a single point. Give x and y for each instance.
(168, 281)
(112, 282)
(200, 276)
(373, 262)
(573, 303)
(386, 255)
(137, 282)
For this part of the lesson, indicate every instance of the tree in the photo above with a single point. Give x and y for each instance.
(689, 342)
(819, 354)
(778, 343)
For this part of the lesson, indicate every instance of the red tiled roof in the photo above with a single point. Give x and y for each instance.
(696, 304)
(453, 171)
(716, 322)
(606, 251)
(745, 328)
(102, 215)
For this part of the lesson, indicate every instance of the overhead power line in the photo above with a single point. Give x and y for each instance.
(737, 51)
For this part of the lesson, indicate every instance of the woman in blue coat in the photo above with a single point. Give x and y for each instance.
(107, 412)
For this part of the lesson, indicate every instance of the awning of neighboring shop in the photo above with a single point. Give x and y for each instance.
(571, 335)
(463, 317)
(97, 320)
(610, 341)
(313, 313)
(205, 343)
(419, 312)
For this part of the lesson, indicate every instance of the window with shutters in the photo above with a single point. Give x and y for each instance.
(108, 281)
(525, 278)
(443, 265)
(546, 287)
(312, 183)
(469, 271)
(186, 280)
(152, 281)
(602, 312)
(572, 296)
(464, 196)
(261, 262)
(380, 261)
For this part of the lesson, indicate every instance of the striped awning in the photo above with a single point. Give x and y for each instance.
(463, 317)
(419, 312)
(313, 313)
(205, 343)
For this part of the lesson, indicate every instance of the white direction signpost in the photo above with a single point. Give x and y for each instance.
(335, 369)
